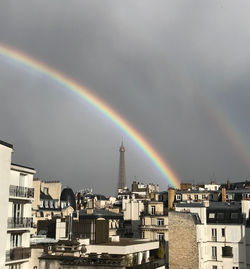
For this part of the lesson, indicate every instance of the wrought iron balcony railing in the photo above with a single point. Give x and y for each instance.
(17, 254)
(20, 222)
(19, 191)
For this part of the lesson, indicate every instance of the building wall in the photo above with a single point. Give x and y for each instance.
(248, 247)
(37, 187)
(187, 196)
(159, 208)
(132, 209)
(20, 177)
(55, 188)
(183, 247)
(234, 238)
(151, 229)
(36, 252)
(5, 161)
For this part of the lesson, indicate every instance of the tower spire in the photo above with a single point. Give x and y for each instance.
(122, 174)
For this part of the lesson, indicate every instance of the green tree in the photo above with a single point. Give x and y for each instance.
(160, 252)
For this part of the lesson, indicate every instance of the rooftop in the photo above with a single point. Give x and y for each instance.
(6, 144)
(23, 166)
(126, 242)
(98, 213)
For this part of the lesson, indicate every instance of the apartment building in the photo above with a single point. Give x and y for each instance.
(210, 235)
(46, 203)
(154, 222)
(131, 209)
(16, 220)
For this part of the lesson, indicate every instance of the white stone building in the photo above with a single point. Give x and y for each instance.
(222, 235)
(16, 219)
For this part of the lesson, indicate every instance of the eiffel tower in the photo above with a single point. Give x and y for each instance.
(122, 174)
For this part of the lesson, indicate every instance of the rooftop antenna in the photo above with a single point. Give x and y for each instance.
(70, 226)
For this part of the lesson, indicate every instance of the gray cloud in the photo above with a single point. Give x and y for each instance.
(152, 62)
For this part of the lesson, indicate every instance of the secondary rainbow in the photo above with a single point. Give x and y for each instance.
(84, 93)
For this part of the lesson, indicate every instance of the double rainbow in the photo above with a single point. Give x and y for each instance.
(101, 106)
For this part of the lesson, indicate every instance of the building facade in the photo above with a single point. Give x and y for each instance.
(219, 239)
(16, 219)
(154, 222)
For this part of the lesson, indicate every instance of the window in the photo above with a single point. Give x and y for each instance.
(15, 266)
(223, 232)
(46, 190)
(214, 234)
(161, 236)
(17, 211)
(214, 267)
(235, 267)
(22, 180)
(214, 253)
(153, 210)
(143, 235)
(220, 216)
(203, 196)
(227, 252)
(211, 197)
(211, 215)
(160, 222)
(195, 197)
(15, 240)
(178, 197)
(234, 216)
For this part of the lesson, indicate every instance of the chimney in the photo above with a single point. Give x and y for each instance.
(171, 198)
(223, 195)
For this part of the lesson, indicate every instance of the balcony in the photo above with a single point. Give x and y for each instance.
(19, 253)
(153, 227)
(23, 192)
(20, 222)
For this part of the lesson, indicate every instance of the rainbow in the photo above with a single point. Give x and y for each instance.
(101, 106)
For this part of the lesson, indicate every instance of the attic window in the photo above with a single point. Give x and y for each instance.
(220, 216)
(234, 216)
(211, 215)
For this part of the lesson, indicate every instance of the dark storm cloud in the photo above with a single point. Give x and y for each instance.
(151, 61)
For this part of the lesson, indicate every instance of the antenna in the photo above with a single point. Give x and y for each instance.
(70, 226)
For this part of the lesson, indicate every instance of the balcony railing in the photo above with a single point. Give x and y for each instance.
(19, 191)
(17, 254)
(20, 222)
(214, 238)
(153, 226)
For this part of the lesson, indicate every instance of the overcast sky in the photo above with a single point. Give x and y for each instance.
(176, 70)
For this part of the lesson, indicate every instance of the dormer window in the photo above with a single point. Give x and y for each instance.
(211, 215)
